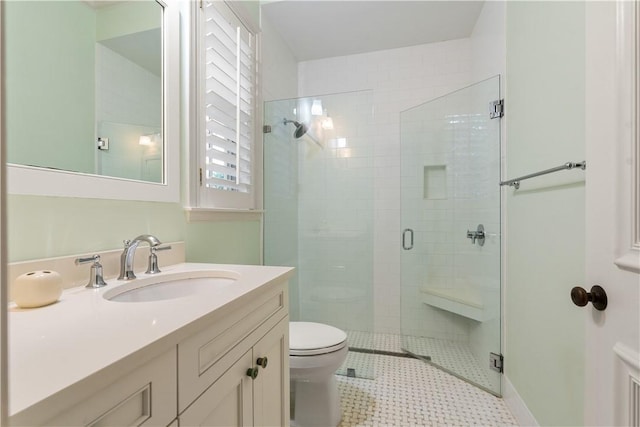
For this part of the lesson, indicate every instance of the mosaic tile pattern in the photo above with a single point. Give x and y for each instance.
(409, 392)
(451, 355)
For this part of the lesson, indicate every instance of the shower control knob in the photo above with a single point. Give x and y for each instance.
(597, 296)
(262, 362)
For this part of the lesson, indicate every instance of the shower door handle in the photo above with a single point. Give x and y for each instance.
(404, 239)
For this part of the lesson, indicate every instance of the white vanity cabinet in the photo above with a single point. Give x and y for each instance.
(180, 362)
(237, 399)
(144, 396)
(235, 372)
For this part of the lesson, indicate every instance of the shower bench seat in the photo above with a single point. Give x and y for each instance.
(465, 301)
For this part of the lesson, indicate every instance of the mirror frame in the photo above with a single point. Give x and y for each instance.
(28, 180)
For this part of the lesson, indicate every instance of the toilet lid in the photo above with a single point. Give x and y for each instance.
(308, 338)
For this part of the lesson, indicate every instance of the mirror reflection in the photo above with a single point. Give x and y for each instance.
(84, 87)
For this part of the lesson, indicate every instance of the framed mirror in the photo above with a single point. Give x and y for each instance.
(92, 98)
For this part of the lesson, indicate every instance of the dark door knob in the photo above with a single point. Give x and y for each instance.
(253, 373)
(597, 296)
(262, 361)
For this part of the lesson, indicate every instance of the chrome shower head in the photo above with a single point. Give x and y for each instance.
(301, 128)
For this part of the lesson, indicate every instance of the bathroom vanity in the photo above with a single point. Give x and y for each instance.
(198, 344)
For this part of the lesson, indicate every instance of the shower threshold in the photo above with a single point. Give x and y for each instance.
(388, 353)
(455, 358)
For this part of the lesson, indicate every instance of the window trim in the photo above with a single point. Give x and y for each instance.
(193, 160)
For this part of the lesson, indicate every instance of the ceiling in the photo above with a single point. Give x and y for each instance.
(144, 48)
(316, 29)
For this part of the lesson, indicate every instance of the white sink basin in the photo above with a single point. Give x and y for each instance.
(171, 286)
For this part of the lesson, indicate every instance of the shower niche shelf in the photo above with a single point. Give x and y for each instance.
(435, 182)
(465, 302)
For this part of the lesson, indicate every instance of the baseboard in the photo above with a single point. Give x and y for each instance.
(516, 405)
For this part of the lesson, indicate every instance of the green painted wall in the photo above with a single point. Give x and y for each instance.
(545, 97)
(42, 227)
(127, 18)
(50, 84)
(224, 242)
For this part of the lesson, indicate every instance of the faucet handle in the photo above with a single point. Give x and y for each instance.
(94, 258)
(96, 279)
(478, 235)
(153, 259)
(472, 235)
(126, 243)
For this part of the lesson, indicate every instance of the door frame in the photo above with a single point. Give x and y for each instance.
(612, 342)
(4, 400)
(627, 126)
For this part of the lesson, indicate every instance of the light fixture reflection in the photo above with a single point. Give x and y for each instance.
(145, 140)
(316, 107)
(149, 139)
(327, 123)
(338, 143)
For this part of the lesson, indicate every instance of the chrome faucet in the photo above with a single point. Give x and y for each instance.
(126, 258)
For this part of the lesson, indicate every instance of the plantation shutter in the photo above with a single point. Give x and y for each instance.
(229, 58)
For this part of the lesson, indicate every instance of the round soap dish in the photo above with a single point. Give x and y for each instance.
(37, 288)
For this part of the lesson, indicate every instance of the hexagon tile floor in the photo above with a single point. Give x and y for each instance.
(409, 392)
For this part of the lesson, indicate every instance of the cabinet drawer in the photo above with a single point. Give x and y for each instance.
(205, 356)
(144, 397)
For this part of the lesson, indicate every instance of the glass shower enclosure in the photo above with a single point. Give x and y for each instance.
(450, 162)
(318, 202)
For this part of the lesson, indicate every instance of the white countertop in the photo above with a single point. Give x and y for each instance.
(52, 348)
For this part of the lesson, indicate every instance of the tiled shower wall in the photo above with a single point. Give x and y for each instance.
(399, 79)
(450, 175)
(335, 213)
(281, 196)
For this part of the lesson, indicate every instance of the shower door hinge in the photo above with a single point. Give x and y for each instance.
(266, 129)
(496, 362)
(103, 144)
(497, 109)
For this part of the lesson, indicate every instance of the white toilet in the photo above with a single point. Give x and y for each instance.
(316, 351)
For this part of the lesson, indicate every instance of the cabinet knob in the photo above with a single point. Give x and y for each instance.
(262, 361)
(253, 373)
(597, 296)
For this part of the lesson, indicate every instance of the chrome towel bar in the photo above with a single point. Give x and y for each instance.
(516, 181)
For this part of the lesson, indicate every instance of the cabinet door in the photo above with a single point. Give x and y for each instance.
(227, 403)
(145, 396)
(271, 387)
(206, 355)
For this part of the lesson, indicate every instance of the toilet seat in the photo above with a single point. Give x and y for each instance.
(311, 339)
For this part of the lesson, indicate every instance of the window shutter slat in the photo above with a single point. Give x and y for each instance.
(219, 135)
(222, 70)
(221, 49)
(222, 172)
(215, 103)
(228, 57)
(221, 158)
(226, 93)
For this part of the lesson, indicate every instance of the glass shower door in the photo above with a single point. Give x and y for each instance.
(451, 314)
(318, 201)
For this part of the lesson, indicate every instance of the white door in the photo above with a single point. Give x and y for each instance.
(612, 371)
